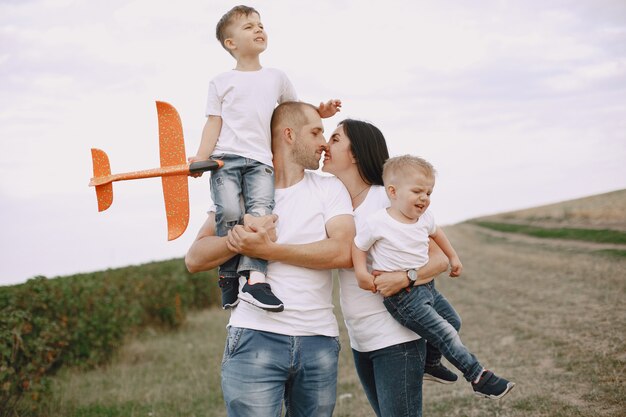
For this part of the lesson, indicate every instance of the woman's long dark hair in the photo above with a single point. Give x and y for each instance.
(369, 148)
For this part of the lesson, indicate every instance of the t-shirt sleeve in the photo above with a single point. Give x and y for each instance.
(288, 92)
(431, 226)
(365, 237)
(214, 102)
(337, 199)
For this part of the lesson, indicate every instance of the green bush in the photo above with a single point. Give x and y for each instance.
(82, 320)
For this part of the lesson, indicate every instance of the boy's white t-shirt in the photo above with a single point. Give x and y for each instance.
(395, 246)
(370, 326)
(245, 100)
(303, 211)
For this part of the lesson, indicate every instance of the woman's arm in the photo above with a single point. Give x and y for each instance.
(390, 283)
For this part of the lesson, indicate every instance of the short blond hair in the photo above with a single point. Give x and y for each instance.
(228, 18)
(395, 167)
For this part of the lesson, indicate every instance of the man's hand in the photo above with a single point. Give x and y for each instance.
(255, 244)
(329, 109)
(255, 223)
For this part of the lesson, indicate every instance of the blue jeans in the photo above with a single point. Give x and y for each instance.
(418, 310)
(260, 370)
(392, 378)
(445, 310)
(255, 181)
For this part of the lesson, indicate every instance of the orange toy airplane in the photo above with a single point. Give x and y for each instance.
(173, 172)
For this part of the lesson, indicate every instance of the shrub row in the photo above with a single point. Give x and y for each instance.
(81, 320)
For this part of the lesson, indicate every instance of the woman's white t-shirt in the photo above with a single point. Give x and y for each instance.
(370, 326)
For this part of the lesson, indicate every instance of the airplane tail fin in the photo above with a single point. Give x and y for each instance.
(101, 168)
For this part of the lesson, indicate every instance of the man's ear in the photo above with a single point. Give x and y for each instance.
(289, 135)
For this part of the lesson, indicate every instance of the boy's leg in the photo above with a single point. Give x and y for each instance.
(255, 369)
(258, 196)
(434, 369)
(415, 310)
(226, 195)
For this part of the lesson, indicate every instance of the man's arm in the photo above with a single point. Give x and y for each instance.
(207, 251)
(332, 252)
(390, 283)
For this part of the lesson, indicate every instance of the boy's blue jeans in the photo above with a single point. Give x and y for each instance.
(392, 378)
(419, 310)
(260, 370)
(255, 182)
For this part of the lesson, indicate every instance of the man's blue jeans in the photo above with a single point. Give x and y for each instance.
(260, 370)
(392, 378)
(418, 310)
(255, 181)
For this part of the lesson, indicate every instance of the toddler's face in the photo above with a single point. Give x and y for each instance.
(413, 190)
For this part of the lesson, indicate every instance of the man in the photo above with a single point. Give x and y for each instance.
(291, 355)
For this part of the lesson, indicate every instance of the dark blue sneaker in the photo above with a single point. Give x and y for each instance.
(491, 386)
(439, 373)
(230, 290)
(261, 295)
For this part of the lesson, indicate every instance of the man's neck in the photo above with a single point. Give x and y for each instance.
(286, 173)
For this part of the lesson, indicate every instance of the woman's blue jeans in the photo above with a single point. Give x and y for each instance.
(392, 378)
(252, 180)
(418, 310)
(260, 370)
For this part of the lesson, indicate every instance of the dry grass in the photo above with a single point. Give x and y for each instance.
(551, 318)
(599, 211)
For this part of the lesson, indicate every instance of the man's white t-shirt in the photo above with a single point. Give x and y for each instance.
(303, 211)
(245, 101)
(370, 326)
(395, 246)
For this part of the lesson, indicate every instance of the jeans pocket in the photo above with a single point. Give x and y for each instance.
(232, 341)
(338, 343)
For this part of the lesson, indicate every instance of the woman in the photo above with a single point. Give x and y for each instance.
(389, 358)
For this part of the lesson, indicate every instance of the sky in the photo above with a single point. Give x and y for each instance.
(516, 104)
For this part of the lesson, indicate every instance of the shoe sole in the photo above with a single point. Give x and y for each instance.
(508, 389)
(267, 307)
(231, 305)
(429, 377)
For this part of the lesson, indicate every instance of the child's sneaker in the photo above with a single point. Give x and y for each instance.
(439, 373)
(261, 295)
(492, 386)
(230, 289)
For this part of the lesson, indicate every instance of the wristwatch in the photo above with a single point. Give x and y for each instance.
(412, 275)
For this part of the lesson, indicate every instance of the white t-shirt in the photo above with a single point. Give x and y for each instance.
(395, 246)
(370, 326)
(245, 101)
(303, 211)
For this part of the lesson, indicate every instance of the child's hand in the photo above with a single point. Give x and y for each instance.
(193, 159)
(329, 109)
(366, 282)
(456, 267)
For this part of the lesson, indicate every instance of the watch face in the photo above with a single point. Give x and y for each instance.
(412, 274)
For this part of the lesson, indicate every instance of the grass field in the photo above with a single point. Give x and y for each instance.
(551, 318)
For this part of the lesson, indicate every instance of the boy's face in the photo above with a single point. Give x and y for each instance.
(246, 35)
(410, 195)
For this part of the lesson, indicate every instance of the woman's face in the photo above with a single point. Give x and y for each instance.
(338, 157)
